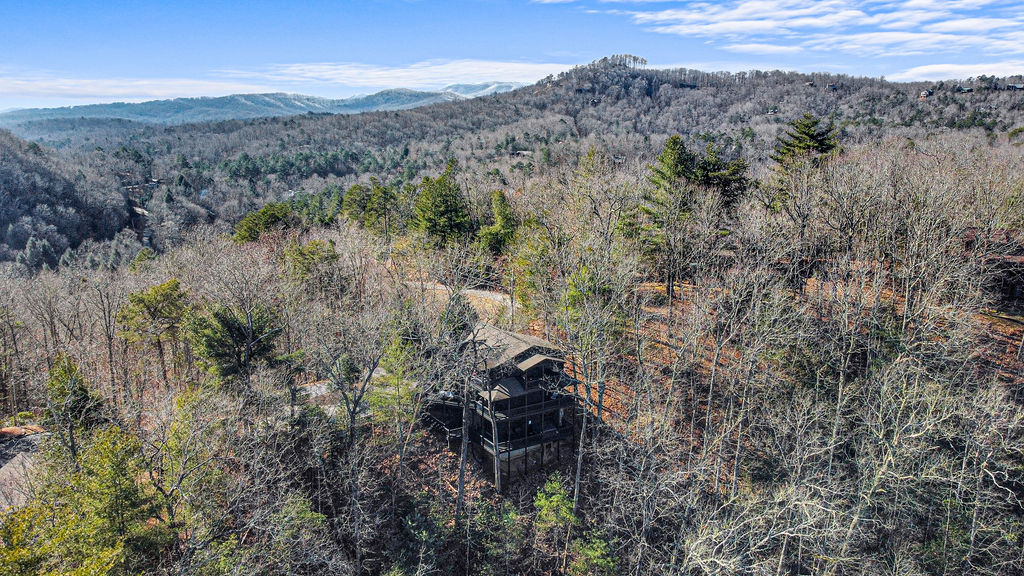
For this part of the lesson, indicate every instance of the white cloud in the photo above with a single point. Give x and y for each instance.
(869, 28)
(973, 25)
(428, 74)
(959, 71)
(755, 48)
(126, 89)
(897, 43)
(948, 4)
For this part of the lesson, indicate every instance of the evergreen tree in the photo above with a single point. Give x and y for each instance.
(276, 215)
(38, 253)
(806, 137)
(554, 505)
(94, 520)
(153, 317)
(594, 557)
(727, 177)
(667, 205)
(676, 166)
(379, 207)
(72, 409)
(356, 198)
(673, 165)
(303, 261)
(232, 341)
(440, 210)
(497, 236)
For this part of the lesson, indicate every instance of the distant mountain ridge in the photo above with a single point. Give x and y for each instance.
(248, 106)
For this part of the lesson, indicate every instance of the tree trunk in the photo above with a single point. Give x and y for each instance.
(579, 461)
(464, 451)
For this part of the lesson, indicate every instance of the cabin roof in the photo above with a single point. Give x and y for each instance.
(506, 388)
(535, 360)
(499, 347)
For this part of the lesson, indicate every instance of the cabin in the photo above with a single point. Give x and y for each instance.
(520, 416)
(1007, 264)
(1004, 259)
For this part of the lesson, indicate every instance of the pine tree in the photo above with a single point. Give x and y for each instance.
(355, 200)
(805, 138)
(497, 236)
(674, 164)
(728, 178)
(276, 215)
(379, 207)
(232, 340)
(153, 316)
(72, 409)
(94, 520)
(440, 210)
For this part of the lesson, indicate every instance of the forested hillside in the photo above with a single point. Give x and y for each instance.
(790, 317)
(46, 207)
(224, 169)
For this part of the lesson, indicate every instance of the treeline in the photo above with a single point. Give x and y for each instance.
(795, 370)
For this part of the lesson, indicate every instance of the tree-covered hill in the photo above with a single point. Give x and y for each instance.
(191, 173)
(48, 207)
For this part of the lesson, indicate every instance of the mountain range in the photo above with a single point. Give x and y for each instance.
(246, 106)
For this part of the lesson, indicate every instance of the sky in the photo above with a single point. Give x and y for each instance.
(56, 53)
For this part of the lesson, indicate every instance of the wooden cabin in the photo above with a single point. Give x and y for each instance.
(520, 416)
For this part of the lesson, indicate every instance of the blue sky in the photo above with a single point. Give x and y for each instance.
(73, 52)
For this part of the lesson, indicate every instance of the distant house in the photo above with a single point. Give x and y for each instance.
(1015, 87)
(520, 417)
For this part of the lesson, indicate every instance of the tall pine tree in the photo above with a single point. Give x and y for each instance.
(440, 210)
(806, 137)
